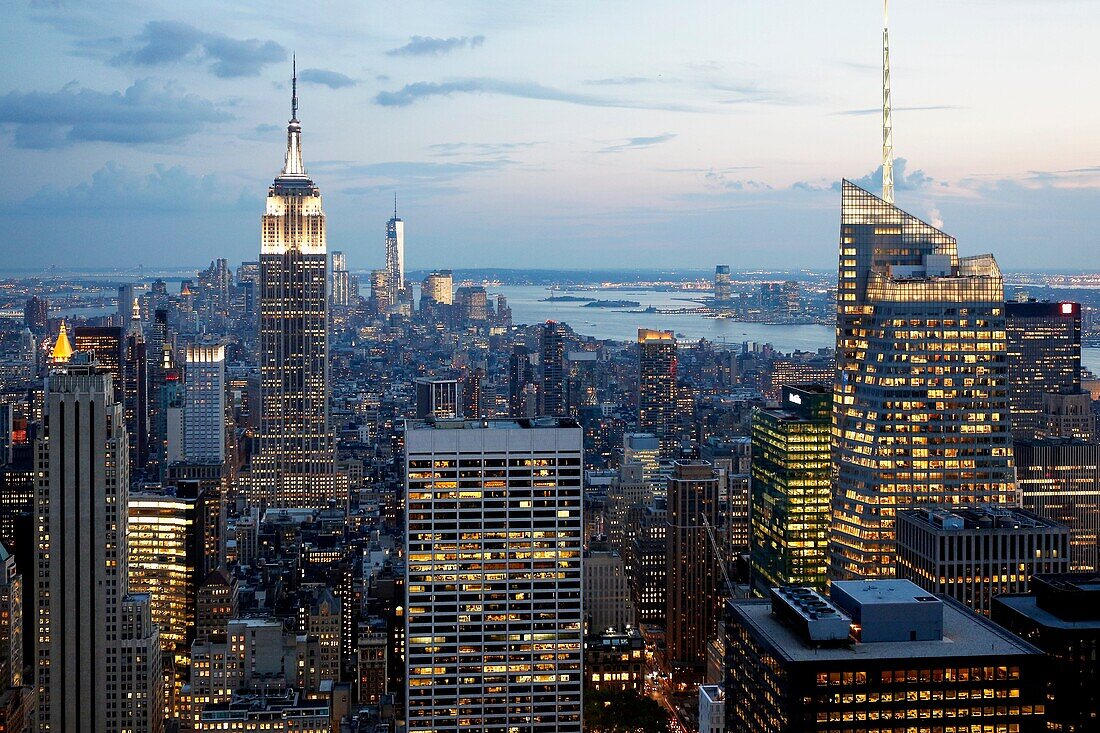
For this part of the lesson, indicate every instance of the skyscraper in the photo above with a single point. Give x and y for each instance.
(920, 402)
(395, 254)
(341, 280)
(791, 481)
(552, 395)
(657, 385)
(16, 699)
(294, 466)
(438, 288)
(520, 375)
(722, 283)
(97, 653)
(692, 566)
(108, 346)
(1044, 356)
(494, 617)
(204, 405)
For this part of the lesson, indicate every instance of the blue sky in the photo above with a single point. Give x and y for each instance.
(546, 134)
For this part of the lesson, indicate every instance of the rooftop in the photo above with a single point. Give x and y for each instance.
(965, 634)
(493, 424)
(982, 517)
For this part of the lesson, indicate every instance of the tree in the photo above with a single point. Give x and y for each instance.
(622, 712)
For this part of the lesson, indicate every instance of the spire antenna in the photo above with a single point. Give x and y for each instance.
(395, 204)
(887, 122)
(294, 89)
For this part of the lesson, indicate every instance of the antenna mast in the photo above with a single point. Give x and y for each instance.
(887, 123)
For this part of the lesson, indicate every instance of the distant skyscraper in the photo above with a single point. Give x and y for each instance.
(500, 650)
(722, 283)
(791, 480)
(438, 398)
(136, 390)
(98, 655)
(36, 314)
(657, 385)
(552, 394)
(521, 373)
(204, 405)
(108, 345)
(341, 281)
(125, 302)
(380, 292)
(920, 403)
(1044, 356)
(295, 463)
(395, 254)
(438, 288)
(692, 566)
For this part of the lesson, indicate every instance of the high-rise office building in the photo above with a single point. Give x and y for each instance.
(97, 654)
(16, 695)
(36, 315)
(977, 553)
(125, 300)
(167, 555)
(472, 303)
(920, 404)
(657, 385)
(521, 375)
(108, 346)
(204, 405)
(722, 283)
(380, 292)
(791, 480)
(1044, 355)
(135, 403)
(438, 288)
(1059, 479)
(648, 561)
(438, 398)
(395, 255)
(1061, 616)
(552, 394)
(692, 566)
(341, 281)
(606, 591)
(493, 613)
(295, 462)
(876, 656)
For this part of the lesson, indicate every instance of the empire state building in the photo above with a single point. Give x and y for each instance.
(295, 463)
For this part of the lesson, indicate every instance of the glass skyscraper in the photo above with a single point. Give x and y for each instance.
(920, 404)
(1044, 357)
(657, 385)
(791, 480)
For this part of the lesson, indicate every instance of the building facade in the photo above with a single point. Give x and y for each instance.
(1059, 479)
(692, 570)
(1044, 356)
(920, 401)
(493, 614)
(204, 405)
(974, 554)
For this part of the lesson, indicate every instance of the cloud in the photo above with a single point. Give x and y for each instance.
(428, 46)
(638, 142)
(147, 112)
(409, 171)
(616, 81)
(878, 110)
(330, 79)
(169, 41)
(904, 180)
(114, 188)
(445, 150)
(411, 93)
(716, 179)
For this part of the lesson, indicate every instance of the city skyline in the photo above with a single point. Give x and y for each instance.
(706, 137)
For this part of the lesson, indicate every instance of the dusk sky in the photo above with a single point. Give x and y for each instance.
(547, 134)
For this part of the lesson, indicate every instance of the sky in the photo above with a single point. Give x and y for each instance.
(555, 134)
